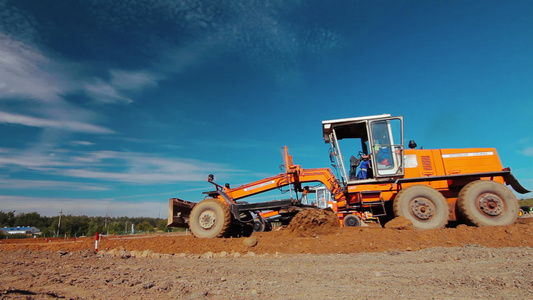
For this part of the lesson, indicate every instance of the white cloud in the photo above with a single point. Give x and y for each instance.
(33, 87)
(139, 168)
(26, 73)
(120, 84)
(66, 125)
(204, 30)
(49, 185)
(158, 176)
(528, 151)
(31, 160)
(134, 167)
(30, 74)
(133, 80)
(104, 92)
(82, 143)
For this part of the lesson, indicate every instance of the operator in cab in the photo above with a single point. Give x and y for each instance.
(363, 167)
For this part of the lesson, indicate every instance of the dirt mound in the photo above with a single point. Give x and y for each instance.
(399, 223)
(311, 222)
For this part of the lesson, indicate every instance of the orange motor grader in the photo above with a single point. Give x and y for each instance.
(430, 187)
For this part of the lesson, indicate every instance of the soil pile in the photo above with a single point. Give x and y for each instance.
(311, 222)
(399, 223)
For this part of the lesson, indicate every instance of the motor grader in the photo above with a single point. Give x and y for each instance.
(381, 178)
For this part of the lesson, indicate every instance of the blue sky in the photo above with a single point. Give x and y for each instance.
(112, 107)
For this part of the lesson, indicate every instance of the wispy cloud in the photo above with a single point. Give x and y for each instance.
(65, 125)
(141, 168)
(528, 151)
(104, 92)
(42, 89)
(82, 143)
(33, 87)
(9, 184)
(27, 73)
(120, 83)
(117, 166)
(133, 80)
(206, 30)
(29, 160)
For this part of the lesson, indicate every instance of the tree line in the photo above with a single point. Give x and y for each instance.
(76, 226)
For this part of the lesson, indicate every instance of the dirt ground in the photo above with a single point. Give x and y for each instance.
(327, 262)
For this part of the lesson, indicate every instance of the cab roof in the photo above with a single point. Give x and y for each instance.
(328, 125)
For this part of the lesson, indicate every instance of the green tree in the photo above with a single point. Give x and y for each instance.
(75, 225)
(7, 219)
(162, 225)
(144, 226)
(53, 227)
(114, 228)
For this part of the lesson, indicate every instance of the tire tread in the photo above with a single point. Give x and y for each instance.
(226, 214)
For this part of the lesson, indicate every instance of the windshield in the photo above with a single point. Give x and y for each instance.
(387, 146)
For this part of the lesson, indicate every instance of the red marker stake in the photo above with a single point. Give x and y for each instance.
(97, 237)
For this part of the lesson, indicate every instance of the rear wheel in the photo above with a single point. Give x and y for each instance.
(210, 218)
(487, 203)
(351, 221)
(259, 226)
(424, 206)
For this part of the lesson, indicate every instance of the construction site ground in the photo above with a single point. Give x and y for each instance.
(309, 261)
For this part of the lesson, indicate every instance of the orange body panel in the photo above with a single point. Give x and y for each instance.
(269, 214)
(420, 164)
(450, 162)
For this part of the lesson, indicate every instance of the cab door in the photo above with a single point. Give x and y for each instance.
(386, 146)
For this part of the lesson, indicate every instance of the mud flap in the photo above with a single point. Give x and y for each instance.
(513, 182)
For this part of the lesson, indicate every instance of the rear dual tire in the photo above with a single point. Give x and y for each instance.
(487, 203)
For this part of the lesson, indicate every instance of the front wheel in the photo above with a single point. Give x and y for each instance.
(423, 205)
(351, 221)
(209, 219)
(487, 203)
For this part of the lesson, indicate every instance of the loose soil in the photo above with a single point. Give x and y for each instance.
(316, 261)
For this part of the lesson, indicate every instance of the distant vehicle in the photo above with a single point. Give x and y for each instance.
(524, 210)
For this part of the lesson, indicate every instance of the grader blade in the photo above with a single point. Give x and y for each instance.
(178, 212)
